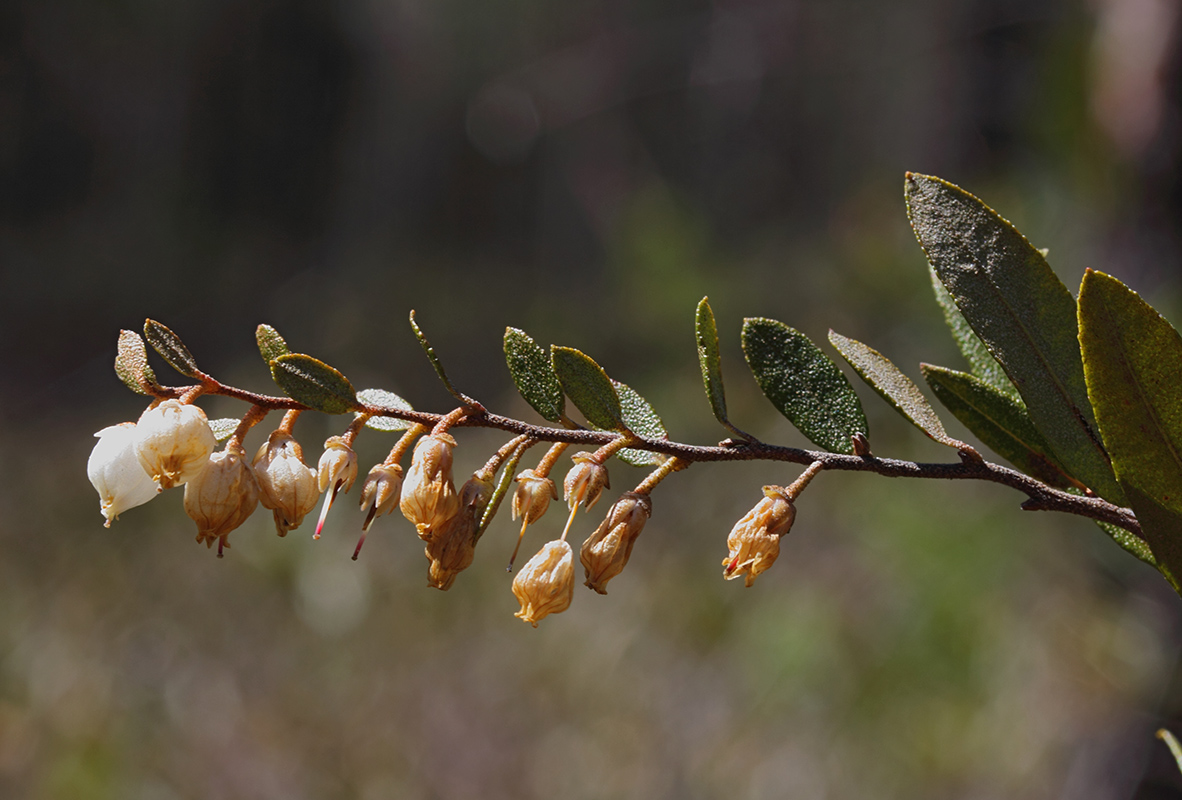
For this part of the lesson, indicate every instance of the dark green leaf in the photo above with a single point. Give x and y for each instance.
(641, 419)
(223, 428)
(131, 363)
(171, 348)
(436, 363)
(315, 384)
(588, 387)
(1133, 364)
(1021, 311)
(534, 375)
(981, 361)
(998, 420)
(271, 344)
(384, 399)
(803, 384)
(504, 484)
(895, 387)
(710, 360)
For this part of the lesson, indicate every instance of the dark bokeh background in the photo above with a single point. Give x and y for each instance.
(587, 171)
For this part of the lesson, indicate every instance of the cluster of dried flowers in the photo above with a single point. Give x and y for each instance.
(172, 444)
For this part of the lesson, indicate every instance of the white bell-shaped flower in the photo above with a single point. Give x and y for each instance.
(173, 442)
(116, 473)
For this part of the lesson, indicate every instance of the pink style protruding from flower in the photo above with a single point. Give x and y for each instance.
(336, 473)
(287, 486)
(116, 473)
(754, 542)
(222, 496)
(546, 584)
(173, 442)
(379, 495)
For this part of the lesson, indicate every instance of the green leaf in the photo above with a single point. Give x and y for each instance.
(171, 348)
(640, 418)
(803, 384)
(588, 387)
(504, 484)
(271, 344)
(895, 387)
(534, 375)
(709, 359)
(1129, 542)
(131, 363)
(315, 384)
(998, 420)
(1021, 311)
(223, 428)
(1133, 364)
(981, 361)
(380, 397)
(436, 363)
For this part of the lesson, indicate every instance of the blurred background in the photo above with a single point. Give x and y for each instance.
(586, 171)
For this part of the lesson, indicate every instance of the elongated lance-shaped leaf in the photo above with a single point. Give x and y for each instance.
(1023, 313)
(533, 374)
(588, 387)
(310, 381)
(271, 344)
(640, 418)
(1133, 363)
(981, 362)
(998, 420)
(131, 363)
(436, 363)
(171, 348)
(709, 359)
(380, 397)
(896, 388)
(803, 384)
(504, 483)
(1129, 542)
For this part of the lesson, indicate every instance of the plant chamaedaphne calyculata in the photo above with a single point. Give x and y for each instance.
(1080, 395)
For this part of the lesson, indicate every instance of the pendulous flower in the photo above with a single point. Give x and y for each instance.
(173, 442)
(287, 486)
(429, 497)
(335, 473)
(116, 472)
(222, 496)
(546, 584)
(754, 542)
(533, 496)
(381, 492)
(585, 481)
(453, 547)
(606, 551)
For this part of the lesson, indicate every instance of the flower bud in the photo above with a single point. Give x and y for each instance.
(453, 547)
(585, 481)
(173, 442)
(287, 485)
(381, 491)
(428, 496)
(546, 584)
(336, 471)
(222, 496)
(338, 466)
(754, 542)
(116, 473)
(606, 552)
(533, 496)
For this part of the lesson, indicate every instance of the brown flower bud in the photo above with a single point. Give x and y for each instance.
(222, 496)
(533, 496)
(585, 481)
(754, 542)
(428, 496)
(287, 485)
(546, 584)
(173, 442)
(381, 492)
(453, 547)
(606, 552)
